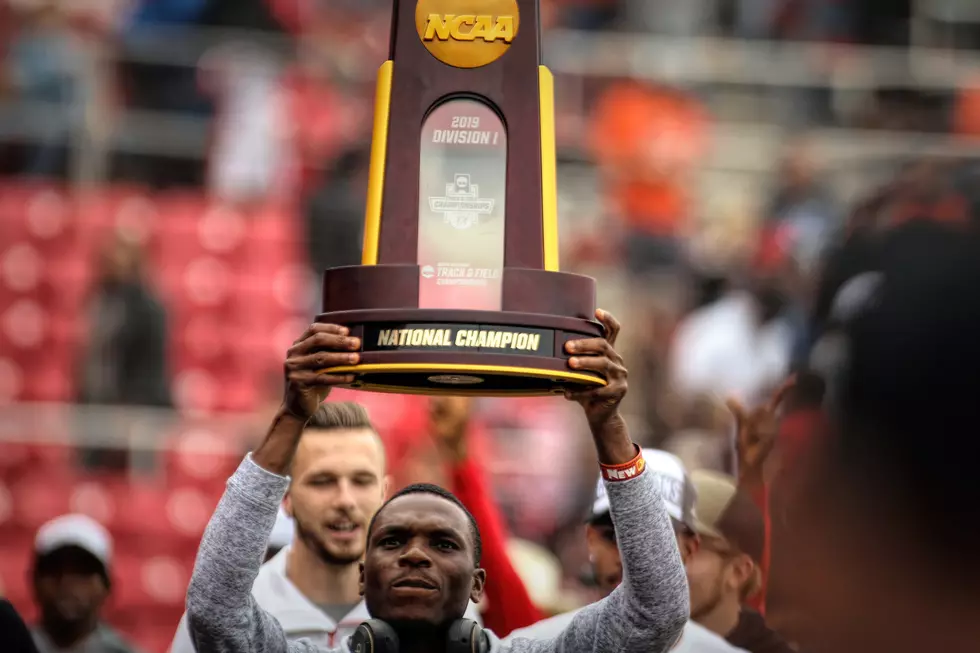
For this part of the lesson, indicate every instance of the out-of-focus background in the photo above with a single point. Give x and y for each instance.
(175, 175)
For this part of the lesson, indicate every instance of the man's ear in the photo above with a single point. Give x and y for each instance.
(287, 506)
(386, 484)
(479, 582)
(360, 578)
(592, 540)
(743, 571)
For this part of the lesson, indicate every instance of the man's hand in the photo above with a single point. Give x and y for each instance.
(601, 404)
(322, 346)
(448, 421)
(757, 431)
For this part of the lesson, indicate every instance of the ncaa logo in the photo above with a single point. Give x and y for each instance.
(467, 33)
(428, 271)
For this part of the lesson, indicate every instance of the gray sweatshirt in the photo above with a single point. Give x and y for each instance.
(645, 614)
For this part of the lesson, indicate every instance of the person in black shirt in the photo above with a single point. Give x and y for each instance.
(16, 636)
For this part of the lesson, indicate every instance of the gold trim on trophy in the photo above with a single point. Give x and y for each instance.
(376, 172)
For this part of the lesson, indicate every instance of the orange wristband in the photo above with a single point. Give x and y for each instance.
(625, 471)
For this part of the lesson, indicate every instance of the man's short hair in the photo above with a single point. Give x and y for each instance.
(340, 415)
(428, 488)
(344, 415)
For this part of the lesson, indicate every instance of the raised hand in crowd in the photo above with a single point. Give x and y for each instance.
(756, 433)
(449, 419)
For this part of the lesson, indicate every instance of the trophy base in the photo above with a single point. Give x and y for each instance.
(479, 353)
(519, 351)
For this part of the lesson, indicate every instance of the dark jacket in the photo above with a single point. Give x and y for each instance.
(126, 361)
(16, 636)
(753, 635)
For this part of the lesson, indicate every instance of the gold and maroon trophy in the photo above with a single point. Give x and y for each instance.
(459, 290)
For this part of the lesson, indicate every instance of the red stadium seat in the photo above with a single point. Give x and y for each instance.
(6, 507)
(196, 391)
(16, 455)
(131, 210)
(165, 579)
(12, 381)
(38, 212)
(39, 499)
(188, 511)
(100, 497)
(199, 456)
(16, 559)
(128, 590)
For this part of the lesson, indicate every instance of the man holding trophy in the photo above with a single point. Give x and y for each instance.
(458, 293)
(421, 567)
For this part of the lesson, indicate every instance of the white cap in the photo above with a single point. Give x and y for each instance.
(282, 531)
(75, 530)
(672, 481)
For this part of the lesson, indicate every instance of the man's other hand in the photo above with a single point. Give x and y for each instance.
(321, 347)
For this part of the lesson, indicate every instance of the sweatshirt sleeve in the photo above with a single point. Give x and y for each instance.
(222, 615)
(647, 612)
(509, 605)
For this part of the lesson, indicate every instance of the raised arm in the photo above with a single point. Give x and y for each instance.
(222, 616)
(648, 610)
(757, 431)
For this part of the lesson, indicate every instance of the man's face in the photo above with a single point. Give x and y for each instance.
(716, 572)
(338, 484)
(420, 566)
(604, 552)
(69, 587)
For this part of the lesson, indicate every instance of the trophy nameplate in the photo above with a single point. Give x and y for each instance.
(459, 290)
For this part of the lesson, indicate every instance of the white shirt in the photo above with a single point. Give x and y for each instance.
(694, 639)
(299, 617)
(721, 350)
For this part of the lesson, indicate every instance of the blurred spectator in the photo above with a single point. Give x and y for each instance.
(647, 142)
(678, 496)
(701, 434)
(883, 22)
(898, 459)
(125, 361)
(802, 213)
(669, 18)
(43, 65)
(335, 214)
(17, 638)
(155, 86)
(71, 585)
(582, 14)
(251, 152)
(541, 573)
(966, 120)
(737, 346)
(726, 568)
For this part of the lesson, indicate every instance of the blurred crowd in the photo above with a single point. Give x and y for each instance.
(263, 107)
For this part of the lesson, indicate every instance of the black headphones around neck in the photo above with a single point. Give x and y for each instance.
(375, 636)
